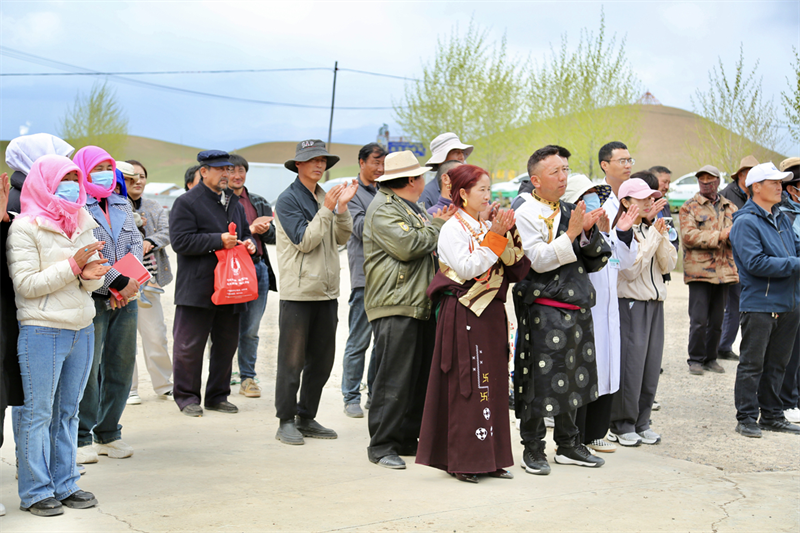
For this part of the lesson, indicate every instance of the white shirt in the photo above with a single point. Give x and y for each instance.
(455, 242)
(544, 255)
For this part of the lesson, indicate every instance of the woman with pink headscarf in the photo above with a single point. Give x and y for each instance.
(54, 264)
(115, 319)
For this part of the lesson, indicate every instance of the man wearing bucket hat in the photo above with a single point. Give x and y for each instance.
(310, 225)
(445, 147)
(399, 241)
(767, 253)
(708, 268)
(736, 192)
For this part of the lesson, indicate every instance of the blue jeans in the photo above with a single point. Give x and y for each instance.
(54, 364)
(112, 371)
(249, 322)
(356, 348)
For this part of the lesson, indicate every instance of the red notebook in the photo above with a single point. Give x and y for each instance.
(131, 267)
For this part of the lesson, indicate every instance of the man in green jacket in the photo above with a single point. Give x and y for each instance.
(399, 243)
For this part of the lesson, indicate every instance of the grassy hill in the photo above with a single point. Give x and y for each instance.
(665, 133)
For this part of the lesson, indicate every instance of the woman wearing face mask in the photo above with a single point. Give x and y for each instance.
(593, 418)
(641, 292)
(54, 264)
(115, 319)
(465, 428)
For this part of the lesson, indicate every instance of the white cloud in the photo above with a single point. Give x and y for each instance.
(31, 31)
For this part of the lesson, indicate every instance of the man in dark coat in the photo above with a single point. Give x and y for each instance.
(554, 365)
(736, 192)
(198, 227)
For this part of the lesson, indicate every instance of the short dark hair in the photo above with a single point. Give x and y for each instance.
(658, 169)
(443, 168)
(369, 149)
(608, 149)
(795, 170)
(540, 155)
(648, 177)
(188, 176)
(464, 177)
(239, 161)
(563, 152)
(397, 183)
(750, 188)
(135, 162)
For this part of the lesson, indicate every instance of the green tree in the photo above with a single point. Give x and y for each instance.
(739, 121)
(791, 100)
(582, 99)
(96, 119)
(470, 88)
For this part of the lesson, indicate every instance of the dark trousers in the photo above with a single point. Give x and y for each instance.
(593, 419)
(190, 333)
(706, 311)
(767, 344)
(790, 390)
(730, 324)
(403, 352)
(565, 432)
(306, 345)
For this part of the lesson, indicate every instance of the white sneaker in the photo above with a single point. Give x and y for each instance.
(86, 454)
(114, 450)
(134, 399)
(602, 445)
(649, 436)
(792, 415)
(549, 422)
(2, 510)
(625, 439)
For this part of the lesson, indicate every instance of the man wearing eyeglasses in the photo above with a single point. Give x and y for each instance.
(198, 227)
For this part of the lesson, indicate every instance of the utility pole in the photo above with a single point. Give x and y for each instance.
(330, 124)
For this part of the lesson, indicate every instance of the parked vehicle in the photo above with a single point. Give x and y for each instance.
(686, 187)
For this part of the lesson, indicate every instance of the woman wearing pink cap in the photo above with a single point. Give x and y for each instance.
(54, 263)
(641, 291)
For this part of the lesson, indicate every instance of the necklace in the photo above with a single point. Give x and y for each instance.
(476, 236)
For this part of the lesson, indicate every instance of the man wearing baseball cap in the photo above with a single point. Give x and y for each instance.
(310, 225)
(445, 147)
(708, 268)
(736, 192)
(767, 253)
(399, 241)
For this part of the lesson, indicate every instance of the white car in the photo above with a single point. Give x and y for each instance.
(508, 188)
(684, 188)
(330, 184)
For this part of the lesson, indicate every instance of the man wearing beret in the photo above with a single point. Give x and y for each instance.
(310, 226)
(198, 227)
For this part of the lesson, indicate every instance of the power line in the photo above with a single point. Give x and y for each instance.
(84, 71)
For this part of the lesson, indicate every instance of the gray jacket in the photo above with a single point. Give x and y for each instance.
(156, 230)
(355, 245)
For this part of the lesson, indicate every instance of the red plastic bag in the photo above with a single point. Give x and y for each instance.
(235, 275)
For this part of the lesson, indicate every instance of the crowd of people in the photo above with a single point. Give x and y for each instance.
(431, 265)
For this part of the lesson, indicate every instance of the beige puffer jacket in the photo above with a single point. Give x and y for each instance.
(655, 256)
(48, 293)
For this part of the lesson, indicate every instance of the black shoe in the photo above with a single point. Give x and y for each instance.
(535, 462)
(748, 429)
(577, 455)
(80, 500)
(193, 409)
(223, 407)
(780, 425)
(311, 428)
(288, 434)
(728, 354)
(368, 404)
(46, 507)
(391, 461)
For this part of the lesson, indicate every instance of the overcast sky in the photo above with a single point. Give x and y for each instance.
(671, 46)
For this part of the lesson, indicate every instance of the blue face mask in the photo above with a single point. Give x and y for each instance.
(592, 201)
(103, 179)
(69, 191)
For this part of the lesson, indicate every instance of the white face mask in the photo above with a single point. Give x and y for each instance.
(592, 201)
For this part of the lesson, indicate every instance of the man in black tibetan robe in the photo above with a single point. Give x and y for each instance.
(554, 365)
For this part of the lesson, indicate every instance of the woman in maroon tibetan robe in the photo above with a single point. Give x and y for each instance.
(465, 425)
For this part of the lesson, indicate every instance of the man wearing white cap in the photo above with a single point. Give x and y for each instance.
(767, 254)
(399, 241)
(445, 147)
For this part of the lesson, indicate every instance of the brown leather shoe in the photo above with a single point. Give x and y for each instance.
(714, 366)
(696, 369)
